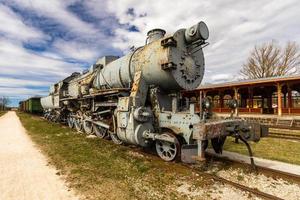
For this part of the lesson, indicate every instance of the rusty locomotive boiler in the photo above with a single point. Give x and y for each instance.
(136, 99)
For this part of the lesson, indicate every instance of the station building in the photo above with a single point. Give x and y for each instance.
(273, 100)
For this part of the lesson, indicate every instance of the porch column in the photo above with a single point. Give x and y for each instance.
(236, 98)
(279, 99)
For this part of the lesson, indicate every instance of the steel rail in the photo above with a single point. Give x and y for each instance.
(261, 169)
(236, 185)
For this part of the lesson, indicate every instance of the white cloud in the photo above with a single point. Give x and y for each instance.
(56, 9)
(18, 61)
(13, 92)
(235, 27)
(221, 78)
(11, 24)
(73, 49)
(35, 69)
(17, 82)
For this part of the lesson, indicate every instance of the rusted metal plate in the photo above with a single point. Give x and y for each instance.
(213, 129)
(188, 153)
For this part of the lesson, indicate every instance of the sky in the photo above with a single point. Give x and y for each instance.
(43, 41)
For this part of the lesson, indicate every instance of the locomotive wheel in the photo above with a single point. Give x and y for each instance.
(47, 116)
(100, 131)
(168, 151)
(115, 138)
(70, 121)
(88, 127)
(55, 118)
(52, 118)
(78, 124)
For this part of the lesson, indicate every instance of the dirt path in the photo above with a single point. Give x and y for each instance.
(24, 173)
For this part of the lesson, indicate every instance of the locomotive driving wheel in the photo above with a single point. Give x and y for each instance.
(70, 121)
(88, 127)
(100, 131)
(78, 124)
(168, 151)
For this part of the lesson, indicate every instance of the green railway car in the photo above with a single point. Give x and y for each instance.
(31, 105)
(20, 105)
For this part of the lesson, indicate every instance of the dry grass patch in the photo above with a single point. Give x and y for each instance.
(2, 113)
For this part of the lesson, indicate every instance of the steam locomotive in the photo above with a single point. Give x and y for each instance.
(136, 99)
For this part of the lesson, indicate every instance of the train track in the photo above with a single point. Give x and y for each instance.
(253, 191)
(256, 192)
(195, 168)
(259, 169)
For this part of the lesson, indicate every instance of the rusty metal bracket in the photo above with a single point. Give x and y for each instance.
(168, 65)
(169, 41)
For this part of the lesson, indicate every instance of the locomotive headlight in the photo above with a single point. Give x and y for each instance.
(233, 104)
(206, 104)
(197, 32)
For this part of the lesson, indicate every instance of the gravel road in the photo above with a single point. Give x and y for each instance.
(24, 173)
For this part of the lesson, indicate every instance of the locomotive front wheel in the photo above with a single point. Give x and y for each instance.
(168, 151)
(100, 131)
(88, 127)
(70, 121)
(78, 124)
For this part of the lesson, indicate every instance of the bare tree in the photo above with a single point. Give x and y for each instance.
(4, 101)
(270, 60)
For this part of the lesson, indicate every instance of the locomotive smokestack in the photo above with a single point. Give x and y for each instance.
(196, 32)
(155, 34)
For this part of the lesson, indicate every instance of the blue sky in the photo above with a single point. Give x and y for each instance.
(42, 41)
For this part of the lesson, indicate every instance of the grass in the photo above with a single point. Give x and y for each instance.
(99, 169)
(2, 113)
(269, 148)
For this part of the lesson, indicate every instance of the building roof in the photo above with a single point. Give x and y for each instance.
(277, 79)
